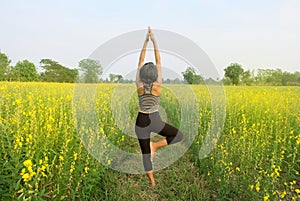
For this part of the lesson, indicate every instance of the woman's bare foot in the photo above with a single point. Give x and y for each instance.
(151, 178)
(154, 146)
(152, 183)
(153, 151)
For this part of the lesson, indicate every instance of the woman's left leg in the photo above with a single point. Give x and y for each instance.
(143, 135)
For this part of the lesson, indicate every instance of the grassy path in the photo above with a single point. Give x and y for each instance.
(180, 181)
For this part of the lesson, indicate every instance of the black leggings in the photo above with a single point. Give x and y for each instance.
(147, 123)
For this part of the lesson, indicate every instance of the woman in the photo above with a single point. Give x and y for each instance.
(148, 82)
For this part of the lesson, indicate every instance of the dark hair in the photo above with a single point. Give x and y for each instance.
(148, 73)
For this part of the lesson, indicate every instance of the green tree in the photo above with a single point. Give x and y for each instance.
(269, 76)
(248, 77)
(55, 72)
(4, 66)
(234, 73)
(226, 81)
(275, 77)
(91, 70)
(191, 77)
(261, 76)
(297, 78)
(24, 71)
(115, 78)
(288, 78)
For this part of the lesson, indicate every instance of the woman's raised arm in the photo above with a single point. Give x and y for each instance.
(142, 59)
(143, 52)
(157, 55)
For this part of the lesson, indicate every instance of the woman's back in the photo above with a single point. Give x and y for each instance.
(149, 97)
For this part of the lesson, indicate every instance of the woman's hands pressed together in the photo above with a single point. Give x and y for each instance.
(150, 34)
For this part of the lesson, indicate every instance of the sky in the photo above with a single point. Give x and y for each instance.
(256, 34)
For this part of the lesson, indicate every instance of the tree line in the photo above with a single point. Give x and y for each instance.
(236, 75)
(90, 71)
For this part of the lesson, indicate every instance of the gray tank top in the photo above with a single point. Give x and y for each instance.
(148, 102)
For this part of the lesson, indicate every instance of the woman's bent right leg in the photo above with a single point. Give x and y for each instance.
(172, 134)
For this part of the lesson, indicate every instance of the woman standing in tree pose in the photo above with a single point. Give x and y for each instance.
(148, 82)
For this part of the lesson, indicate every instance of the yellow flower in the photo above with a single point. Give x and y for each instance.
(75, 156)
(27, 163)
(257, 186)
(251, 187)
(297, 191)
(20, 144)
(267, 197)
(26, 176)
(282, 195)
(238, 169)
(43, 168)
(86, 169)
(44, 175)
(72, 168)
(49, 127)
(61, 158)
(32, 174)
(23, 171)
(30, 169)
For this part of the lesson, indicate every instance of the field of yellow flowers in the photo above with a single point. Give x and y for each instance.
(43, 157)
(257, 156)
